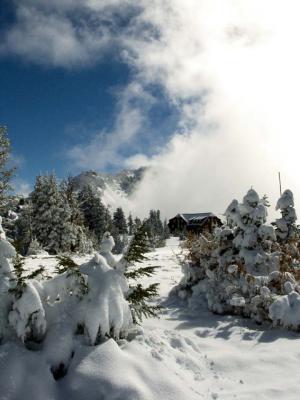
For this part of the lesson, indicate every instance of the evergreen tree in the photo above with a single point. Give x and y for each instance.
(286, 228)
(119, 221)
(66, 265)
(139, 296)
(5, 172)
(23, 228)
(10, 211)
(130, 225)
(96, 215)
(108, 220)
(155, 229)
(79, 240)
(137, 224)
(49, 213)
(34, 247)
(166, 230)
(69, 193)
(119, 241)
(53, 220)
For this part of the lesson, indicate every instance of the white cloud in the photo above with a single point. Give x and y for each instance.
(232, 69)
(22, 187)
(16, 160)
(105, 148)
(65, 33)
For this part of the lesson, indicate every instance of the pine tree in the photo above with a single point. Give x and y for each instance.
(155, 229)
(19, 279)
(7, 252)
(23, 228)
(130, 225)
(78, 239)
(96, 215)
(137, 224)
(108, 220)
(286, 228)
(118, 239)
(5, 172)
(139, 296)
(166, 230)
(252, 236)
(68, 266)
(119, 221)
(47, 212)
(34, 247)
(67, 187)
(53, 222)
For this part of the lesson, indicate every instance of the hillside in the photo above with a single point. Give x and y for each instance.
(114, 189)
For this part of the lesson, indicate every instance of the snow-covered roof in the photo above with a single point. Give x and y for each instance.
(196, 217)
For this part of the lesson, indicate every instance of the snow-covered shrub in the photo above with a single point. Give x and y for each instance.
(27, 317)
(139, 296)
(252, 236)
(88, 298)
(285, 310)
(288, 236)
(286, 226)
(106, 311)
(239, 269)
(106, 247)
(7, 252)
(34, 248)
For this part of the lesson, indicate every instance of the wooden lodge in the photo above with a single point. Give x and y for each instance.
(195, 223)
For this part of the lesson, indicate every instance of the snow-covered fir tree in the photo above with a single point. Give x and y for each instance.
(166, 230)
(155, 229)
(138, 295)
(34, 247)
(47, 210)
(252, 236)
(23, 228)
(286, 228)
(119, 221)
(239, 269)
(96, 215)
(53, 219)
(130, 225)
(7, 252)
(69, 193)
(120, 241)
(137, 224)
(78, 240)
(5, 172)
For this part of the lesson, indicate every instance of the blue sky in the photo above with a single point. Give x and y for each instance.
(47, 110)
(54, 108)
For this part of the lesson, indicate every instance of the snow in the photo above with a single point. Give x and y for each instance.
(28, 315)
(286, 309)
(183, 355)
(107, 244)
(104, 306)
(286, 200)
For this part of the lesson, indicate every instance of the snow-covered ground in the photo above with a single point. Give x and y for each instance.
(178, 357)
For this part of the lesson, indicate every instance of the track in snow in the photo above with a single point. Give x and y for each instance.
(219, 357)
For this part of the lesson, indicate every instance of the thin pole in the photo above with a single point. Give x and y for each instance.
(279, 177)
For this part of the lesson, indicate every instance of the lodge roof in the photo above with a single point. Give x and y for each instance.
(195, 217)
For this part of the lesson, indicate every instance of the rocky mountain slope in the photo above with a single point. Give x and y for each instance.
(114, 189)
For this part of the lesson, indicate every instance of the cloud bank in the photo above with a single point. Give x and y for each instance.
(230, 68)
(233, 69)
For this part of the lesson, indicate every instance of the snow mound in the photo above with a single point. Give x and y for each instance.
(105, 308)
(286, 310)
